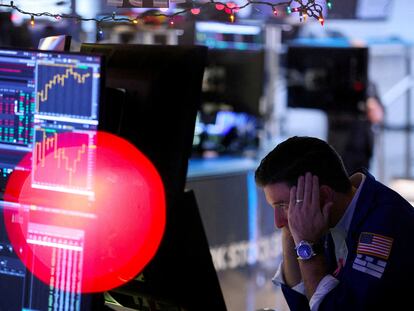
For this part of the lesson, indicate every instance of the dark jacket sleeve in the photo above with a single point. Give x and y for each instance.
(373, 288)
(295, 300)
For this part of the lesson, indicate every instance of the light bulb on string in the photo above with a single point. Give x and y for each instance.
(220, 6)
(232, 17)
(32, 21)
(231, 5)
(288, 10)
(100, 34)
(195, 11)
(321, 20)
(275, 13)
(329, 4)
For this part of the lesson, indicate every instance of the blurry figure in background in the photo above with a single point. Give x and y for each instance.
(352, 135)
(12, 35)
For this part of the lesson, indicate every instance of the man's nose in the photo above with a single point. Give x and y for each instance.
(280, 218)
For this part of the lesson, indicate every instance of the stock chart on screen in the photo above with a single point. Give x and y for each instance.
(64, 160)
(65, 90)
(49, 105)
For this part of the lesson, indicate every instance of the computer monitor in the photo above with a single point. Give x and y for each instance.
(42, 95)
(217, 35)
(182, 261)
(327, 78)
(152, 97)
(235, 78)
(360, 9)
(235, 73)
(55, 43)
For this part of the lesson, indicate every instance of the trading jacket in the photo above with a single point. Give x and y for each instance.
(379, 271)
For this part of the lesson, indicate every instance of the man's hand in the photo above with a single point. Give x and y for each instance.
(375, 112)
(307, 219)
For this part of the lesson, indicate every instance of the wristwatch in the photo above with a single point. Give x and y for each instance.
(306, 250)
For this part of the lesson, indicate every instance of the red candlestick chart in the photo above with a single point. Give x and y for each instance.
(64, 161)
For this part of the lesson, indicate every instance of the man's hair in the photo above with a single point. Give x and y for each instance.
(298, 155)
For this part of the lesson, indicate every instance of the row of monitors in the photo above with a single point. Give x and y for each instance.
(145, 94)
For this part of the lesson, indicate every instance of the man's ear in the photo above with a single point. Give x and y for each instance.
(326, 194)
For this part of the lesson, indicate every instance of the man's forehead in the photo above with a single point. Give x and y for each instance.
(277, 192)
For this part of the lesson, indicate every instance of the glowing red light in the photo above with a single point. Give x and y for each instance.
(14, 17)
(195, 11)
(219, 6)
(111, 234)
(321, 20)
(231, 5)
(228, 11)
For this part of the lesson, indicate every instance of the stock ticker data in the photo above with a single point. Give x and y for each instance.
(48, 120)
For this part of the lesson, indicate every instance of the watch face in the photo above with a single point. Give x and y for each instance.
(304, 251)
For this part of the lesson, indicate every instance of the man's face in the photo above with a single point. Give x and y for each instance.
(277, 195)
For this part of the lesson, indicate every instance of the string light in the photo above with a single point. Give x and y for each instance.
(195, 11)
(220, 6)
(32, 21)
(321, 20)
(329, 4)
(312, 9)
(99, 35)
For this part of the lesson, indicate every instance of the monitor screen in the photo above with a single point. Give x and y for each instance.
(217, 35)
(43, 95)
(236, 79)
(360, 9)
(152, 97)
(327, 78)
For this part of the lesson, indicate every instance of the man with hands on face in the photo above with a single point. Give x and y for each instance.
(347, 241)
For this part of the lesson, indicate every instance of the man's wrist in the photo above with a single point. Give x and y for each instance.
(305, 250)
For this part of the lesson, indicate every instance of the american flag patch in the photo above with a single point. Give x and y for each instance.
(374, 245)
